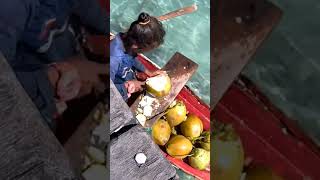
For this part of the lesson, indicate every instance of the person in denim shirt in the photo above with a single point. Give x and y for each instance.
(144, 34)
(34, 34)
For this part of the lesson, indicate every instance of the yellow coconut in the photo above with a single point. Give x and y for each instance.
(161, 132)
(177, 114)
(192, 127)
(179, 146)
(200, 158)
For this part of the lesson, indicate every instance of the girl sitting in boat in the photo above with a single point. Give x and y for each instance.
(144, 34)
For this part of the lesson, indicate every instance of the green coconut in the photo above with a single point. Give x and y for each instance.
(228, 154)
(200, 158)
(204, 141)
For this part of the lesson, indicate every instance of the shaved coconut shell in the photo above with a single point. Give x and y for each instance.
(159, 86)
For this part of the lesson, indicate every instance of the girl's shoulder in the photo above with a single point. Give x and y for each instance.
(116, 47)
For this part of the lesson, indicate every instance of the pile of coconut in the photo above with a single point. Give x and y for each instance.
(181, 135)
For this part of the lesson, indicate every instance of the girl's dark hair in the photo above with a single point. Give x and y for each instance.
(146, 32)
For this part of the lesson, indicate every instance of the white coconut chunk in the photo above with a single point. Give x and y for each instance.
(147, 111)
(149, 100)
(139, 110)
(140, 158)
(142, 119)
(96, 155)
(143, 103)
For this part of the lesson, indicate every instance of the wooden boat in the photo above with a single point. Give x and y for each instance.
(269, 137)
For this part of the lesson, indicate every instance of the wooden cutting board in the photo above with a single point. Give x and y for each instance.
(180, 69)
(240, 28)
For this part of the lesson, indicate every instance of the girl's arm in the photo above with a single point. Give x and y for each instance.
(138, 65)
(114, 66)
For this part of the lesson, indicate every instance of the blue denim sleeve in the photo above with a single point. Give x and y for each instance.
(138, 65)
(123, 91)
(13, 18)
(93, 15)
(114, 67)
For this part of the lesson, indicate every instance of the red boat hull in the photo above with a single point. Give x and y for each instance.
(261, 128)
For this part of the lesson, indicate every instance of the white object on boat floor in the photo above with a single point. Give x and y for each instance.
(141, 158)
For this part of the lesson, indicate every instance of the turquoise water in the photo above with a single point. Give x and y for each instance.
(287, 67)
(188, 34)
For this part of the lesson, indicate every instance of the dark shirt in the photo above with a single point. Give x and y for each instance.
(35, 33)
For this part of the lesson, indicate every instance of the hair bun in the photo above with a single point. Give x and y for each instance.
(144, 17)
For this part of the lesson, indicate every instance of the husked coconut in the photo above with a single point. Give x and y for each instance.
(159, 86)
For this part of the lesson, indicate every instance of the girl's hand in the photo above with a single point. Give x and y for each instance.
(69, 84)
(133, 86)
(65, 78)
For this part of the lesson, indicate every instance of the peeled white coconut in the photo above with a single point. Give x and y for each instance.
(147, 111)
(159, 86)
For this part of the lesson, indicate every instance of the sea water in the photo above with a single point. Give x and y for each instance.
(287, 67)
(188, 34)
